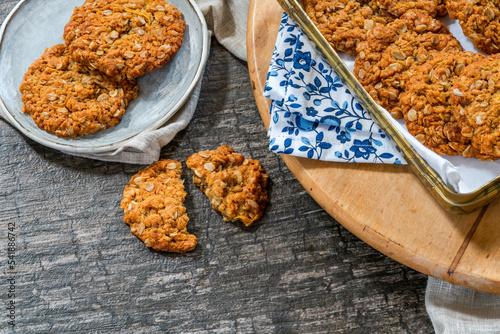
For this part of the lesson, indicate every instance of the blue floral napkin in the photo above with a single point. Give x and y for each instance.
(313, 114)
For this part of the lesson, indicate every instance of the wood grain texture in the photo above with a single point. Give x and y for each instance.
(80, 270)
(386, 206)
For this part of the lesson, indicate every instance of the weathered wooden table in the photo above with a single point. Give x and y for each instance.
(79, 269)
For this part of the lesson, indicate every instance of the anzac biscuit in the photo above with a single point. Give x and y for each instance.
(69, 99)
(125, 37)
(398, 8)
(235, 186)
(389, 55)
(154, 207)
(475, 99)
(344, 23)
(480, 22)
(427, 107)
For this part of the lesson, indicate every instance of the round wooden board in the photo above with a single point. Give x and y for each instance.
(385, 205)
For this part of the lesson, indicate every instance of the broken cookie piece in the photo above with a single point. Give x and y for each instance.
(154, 207)
(235, 186)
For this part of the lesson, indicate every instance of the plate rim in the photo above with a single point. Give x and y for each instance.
(118, 145)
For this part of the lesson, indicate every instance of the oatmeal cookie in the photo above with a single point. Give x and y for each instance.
(390, 54)
(235, 186)
(480, 22)
(125, 37)
(344, 23)
(475, 100)
(427, 108)
(154, 207)
(431, 7)
(70, 99)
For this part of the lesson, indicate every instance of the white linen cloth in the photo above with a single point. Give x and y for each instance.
(226, 20)
(314, 116)
(457, 310)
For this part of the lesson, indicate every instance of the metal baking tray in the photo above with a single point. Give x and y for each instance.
(448, 198)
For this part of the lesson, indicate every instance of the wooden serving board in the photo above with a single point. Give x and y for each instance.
(385, 205)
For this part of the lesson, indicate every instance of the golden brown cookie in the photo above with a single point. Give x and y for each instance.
(388, 56)
(235, 186)
(475, 99)
(125, 37)
(69, 99)
(427, 108)
(480, 22)
(154, 207)
(344, 23)
(399, 7)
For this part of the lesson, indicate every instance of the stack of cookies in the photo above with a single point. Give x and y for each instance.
(85, 85)
(411, 65)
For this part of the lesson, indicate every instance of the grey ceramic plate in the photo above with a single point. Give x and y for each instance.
(35, 25)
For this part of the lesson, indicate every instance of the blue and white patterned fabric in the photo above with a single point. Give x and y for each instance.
(313, 113)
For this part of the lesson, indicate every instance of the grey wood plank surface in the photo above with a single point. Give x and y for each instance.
(79, 269)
